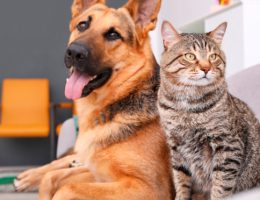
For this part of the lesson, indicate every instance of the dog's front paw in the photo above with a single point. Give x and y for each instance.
(27, 181)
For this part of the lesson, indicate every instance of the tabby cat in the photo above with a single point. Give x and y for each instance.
(214, 137)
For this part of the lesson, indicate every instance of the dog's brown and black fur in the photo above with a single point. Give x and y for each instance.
(121, 145)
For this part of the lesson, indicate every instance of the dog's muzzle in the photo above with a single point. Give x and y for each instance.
(77, 55)
(86, 73)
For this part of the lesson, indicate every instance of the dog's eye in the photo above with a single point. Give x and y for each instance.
(112, 34)
(84, 25)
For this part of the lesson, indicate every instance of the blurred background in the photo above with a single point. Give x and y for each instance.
(33, 39)
(34, 34)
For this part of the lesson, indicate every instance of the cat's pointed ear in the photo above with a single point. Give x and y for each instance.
(218, 34)
(79, 6)
(144, 13)
(169, 34)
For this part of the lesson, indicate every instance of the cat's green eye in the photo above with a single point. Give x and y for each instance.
(213, 57)
(190, 56)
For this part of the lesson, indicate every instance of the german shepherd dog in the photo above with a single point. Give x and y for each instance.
(114, 73)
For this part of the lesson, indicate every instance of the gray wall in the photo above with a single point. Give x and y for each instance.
(33, 37)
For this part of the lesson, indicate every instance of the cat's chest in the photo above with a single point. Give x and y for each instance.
(195, 149)
(194, 144)
(191, 135)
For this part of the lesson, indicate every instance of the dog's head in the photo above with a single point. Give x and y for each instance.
(104, 41)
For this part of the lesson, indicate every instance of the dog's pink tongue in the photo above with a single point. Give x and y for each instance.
(75, 85)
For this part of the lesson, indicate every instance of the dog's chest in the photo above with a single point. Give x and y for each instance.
(85, 146)
(92, 149)
(95, 158)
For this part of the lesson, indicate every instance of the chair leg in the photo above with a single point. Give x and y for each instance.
(52, 134)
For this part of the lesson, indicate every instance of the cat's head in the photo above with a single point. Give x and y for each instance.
(193, 59)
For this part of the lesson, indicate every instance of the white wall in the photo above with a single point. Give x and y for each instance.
(251, 15)
(233, 43)
(179, 13)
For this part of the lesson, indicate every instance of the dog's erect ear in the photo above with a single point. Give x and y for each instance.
(144, 13)
(218, 34)
(80, 5)
(169, 34)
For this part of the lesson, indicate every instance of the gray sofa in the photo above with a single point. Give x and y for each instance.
(246, 86)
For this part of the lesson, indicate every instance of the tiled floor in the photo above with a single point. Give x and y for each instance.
(18, 196)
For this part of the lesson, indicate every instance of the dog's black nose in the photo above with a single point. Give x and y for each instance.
(76, 55)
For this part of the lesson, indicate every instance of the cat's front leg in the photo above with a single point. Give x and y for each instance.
(181, 174)
(182, 182)
(227, 161)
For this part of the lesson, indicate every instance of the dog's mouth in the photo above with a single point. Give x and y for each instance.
(80, 84)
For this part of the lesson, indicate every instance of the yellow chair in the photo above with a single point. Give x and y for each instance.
(26, 110)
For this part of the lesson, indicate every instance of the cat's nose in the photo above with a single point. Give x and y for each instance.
(204, 66)
(205, 69)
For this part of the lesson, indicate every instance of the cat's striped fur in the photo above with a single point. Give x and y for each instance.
(214, 137)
